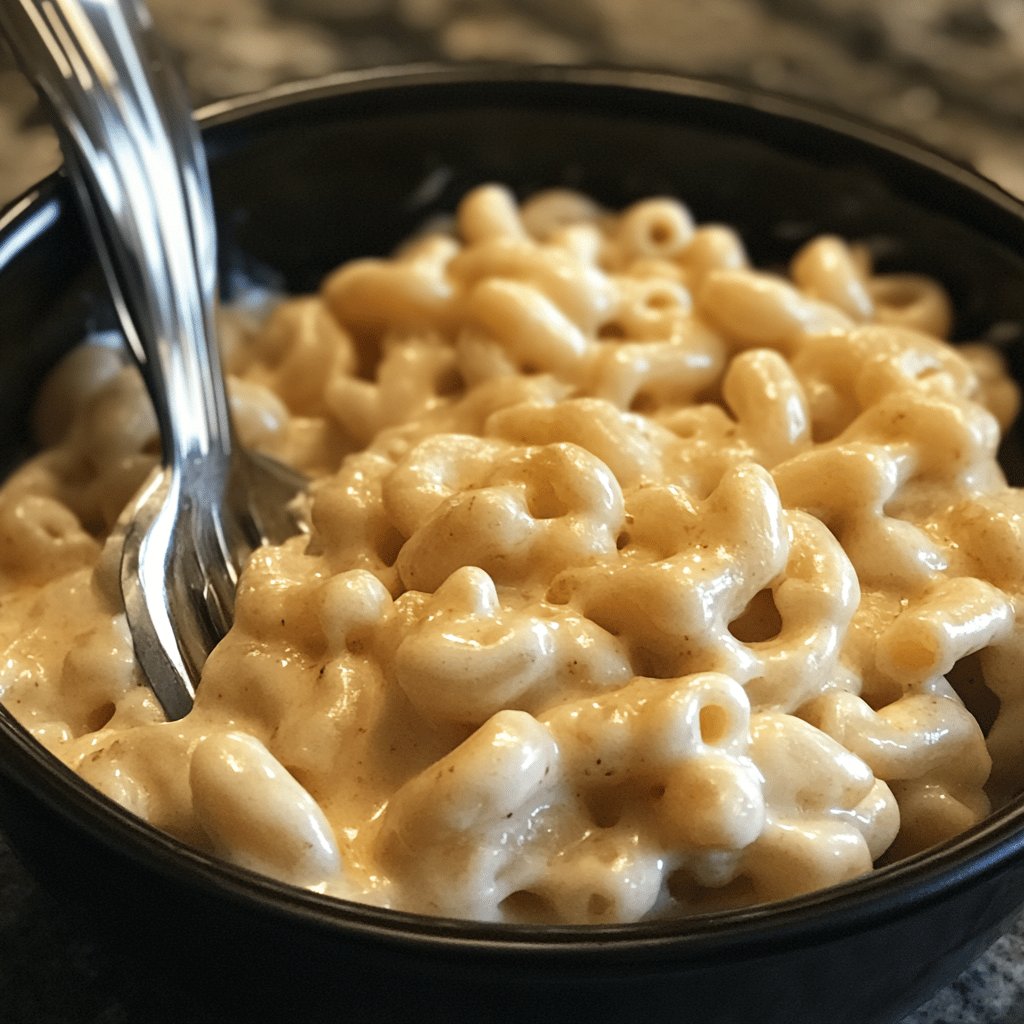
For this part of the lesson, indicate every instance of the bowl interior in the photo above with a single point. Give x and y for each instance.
(307, 179)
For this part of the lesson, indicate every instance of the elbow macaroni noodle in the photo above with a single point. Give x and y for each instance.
(641, 583)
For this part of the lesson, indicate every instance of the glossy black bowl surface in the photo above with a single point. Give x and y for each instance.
(307, 177)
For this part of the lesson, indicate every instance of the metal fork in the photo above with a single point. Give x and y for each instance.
(134, 154)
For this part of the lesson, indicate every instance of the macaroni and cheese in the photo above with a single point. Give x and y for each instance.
(640, 582)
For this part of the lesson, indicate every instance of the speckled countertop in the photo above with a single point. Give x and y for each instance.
(949, 72)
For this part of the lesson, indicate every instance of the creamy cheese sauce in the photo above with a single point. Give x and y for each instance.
(640, 583)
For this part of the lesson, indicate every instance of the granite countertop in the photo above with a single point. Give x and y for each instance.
(948, 72)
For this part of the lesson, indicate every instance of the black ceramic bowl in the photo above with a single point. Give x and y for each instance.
(306, 177)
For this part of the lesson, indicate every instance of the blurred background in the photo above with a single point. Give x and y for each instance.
(949, 73)
(946, 72)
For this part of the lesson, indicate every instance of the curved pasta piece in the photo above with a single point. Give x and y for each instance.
(371, 296)
(713, 247)
(582, 293)
(816, 596)
(413, 377)
(605, 878)
(987, 533)
(712, 802)
(40, 681)
(436, 829)
(669, 720)
(146, 771)
(945, 438)
(676, 611)
(658, 227)
(754, 309)
(257, 815)
(627, 444)
(934, 810)
(432, 472)
(351, 524)
(532, 330)
(795, 857)
(467, 657)
(769, 404)
(551, 210)
(296, 353)
(806, 770)
(278, 596)
(352, 606)
(659, 373)
(824, 481)
(913, 301)
(827, 269)
(844, 373)
(827, 817)
(651, 304)
(956, 617)
(535, 513)
(849, 485)
(41, 538)
(489, 212)
(917, 735)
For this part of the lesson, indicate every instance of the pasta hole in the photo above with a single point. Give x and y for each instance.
(605, 806)
(700, 899)
(808, 801)
(99, 717)
(525, 907)
(646, 661)
(660, 300)
(622, 540)
(367, 351)
(306, 777)
(388, 545)
(714, 724)
(656, 792)
(896, 294)
(598, 905)
(661, 233)
(96, 526)
(709, 395)
(52, 528)
(607, 618)
(681, 887)
(543, 502)
(644, 402)
(611, 331)
(967, 678)
(759, 621)
(915, 655)
(449, 382)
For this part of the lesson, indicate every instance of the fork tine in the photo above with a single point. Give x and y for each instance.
(146, 527)
(181, 560)
(138, 164)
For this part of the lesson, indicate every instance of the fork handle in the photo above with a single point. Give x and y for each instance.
(146, 197)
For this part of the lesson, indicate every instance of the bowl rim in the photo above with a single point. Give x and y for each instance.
(902, 887)
(720, 91)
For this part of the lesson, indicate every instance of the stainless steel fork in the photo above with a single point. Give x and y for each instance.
(135, 157)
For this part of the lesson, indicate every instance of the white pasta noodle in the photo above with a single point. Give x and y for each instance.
(641, 583)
